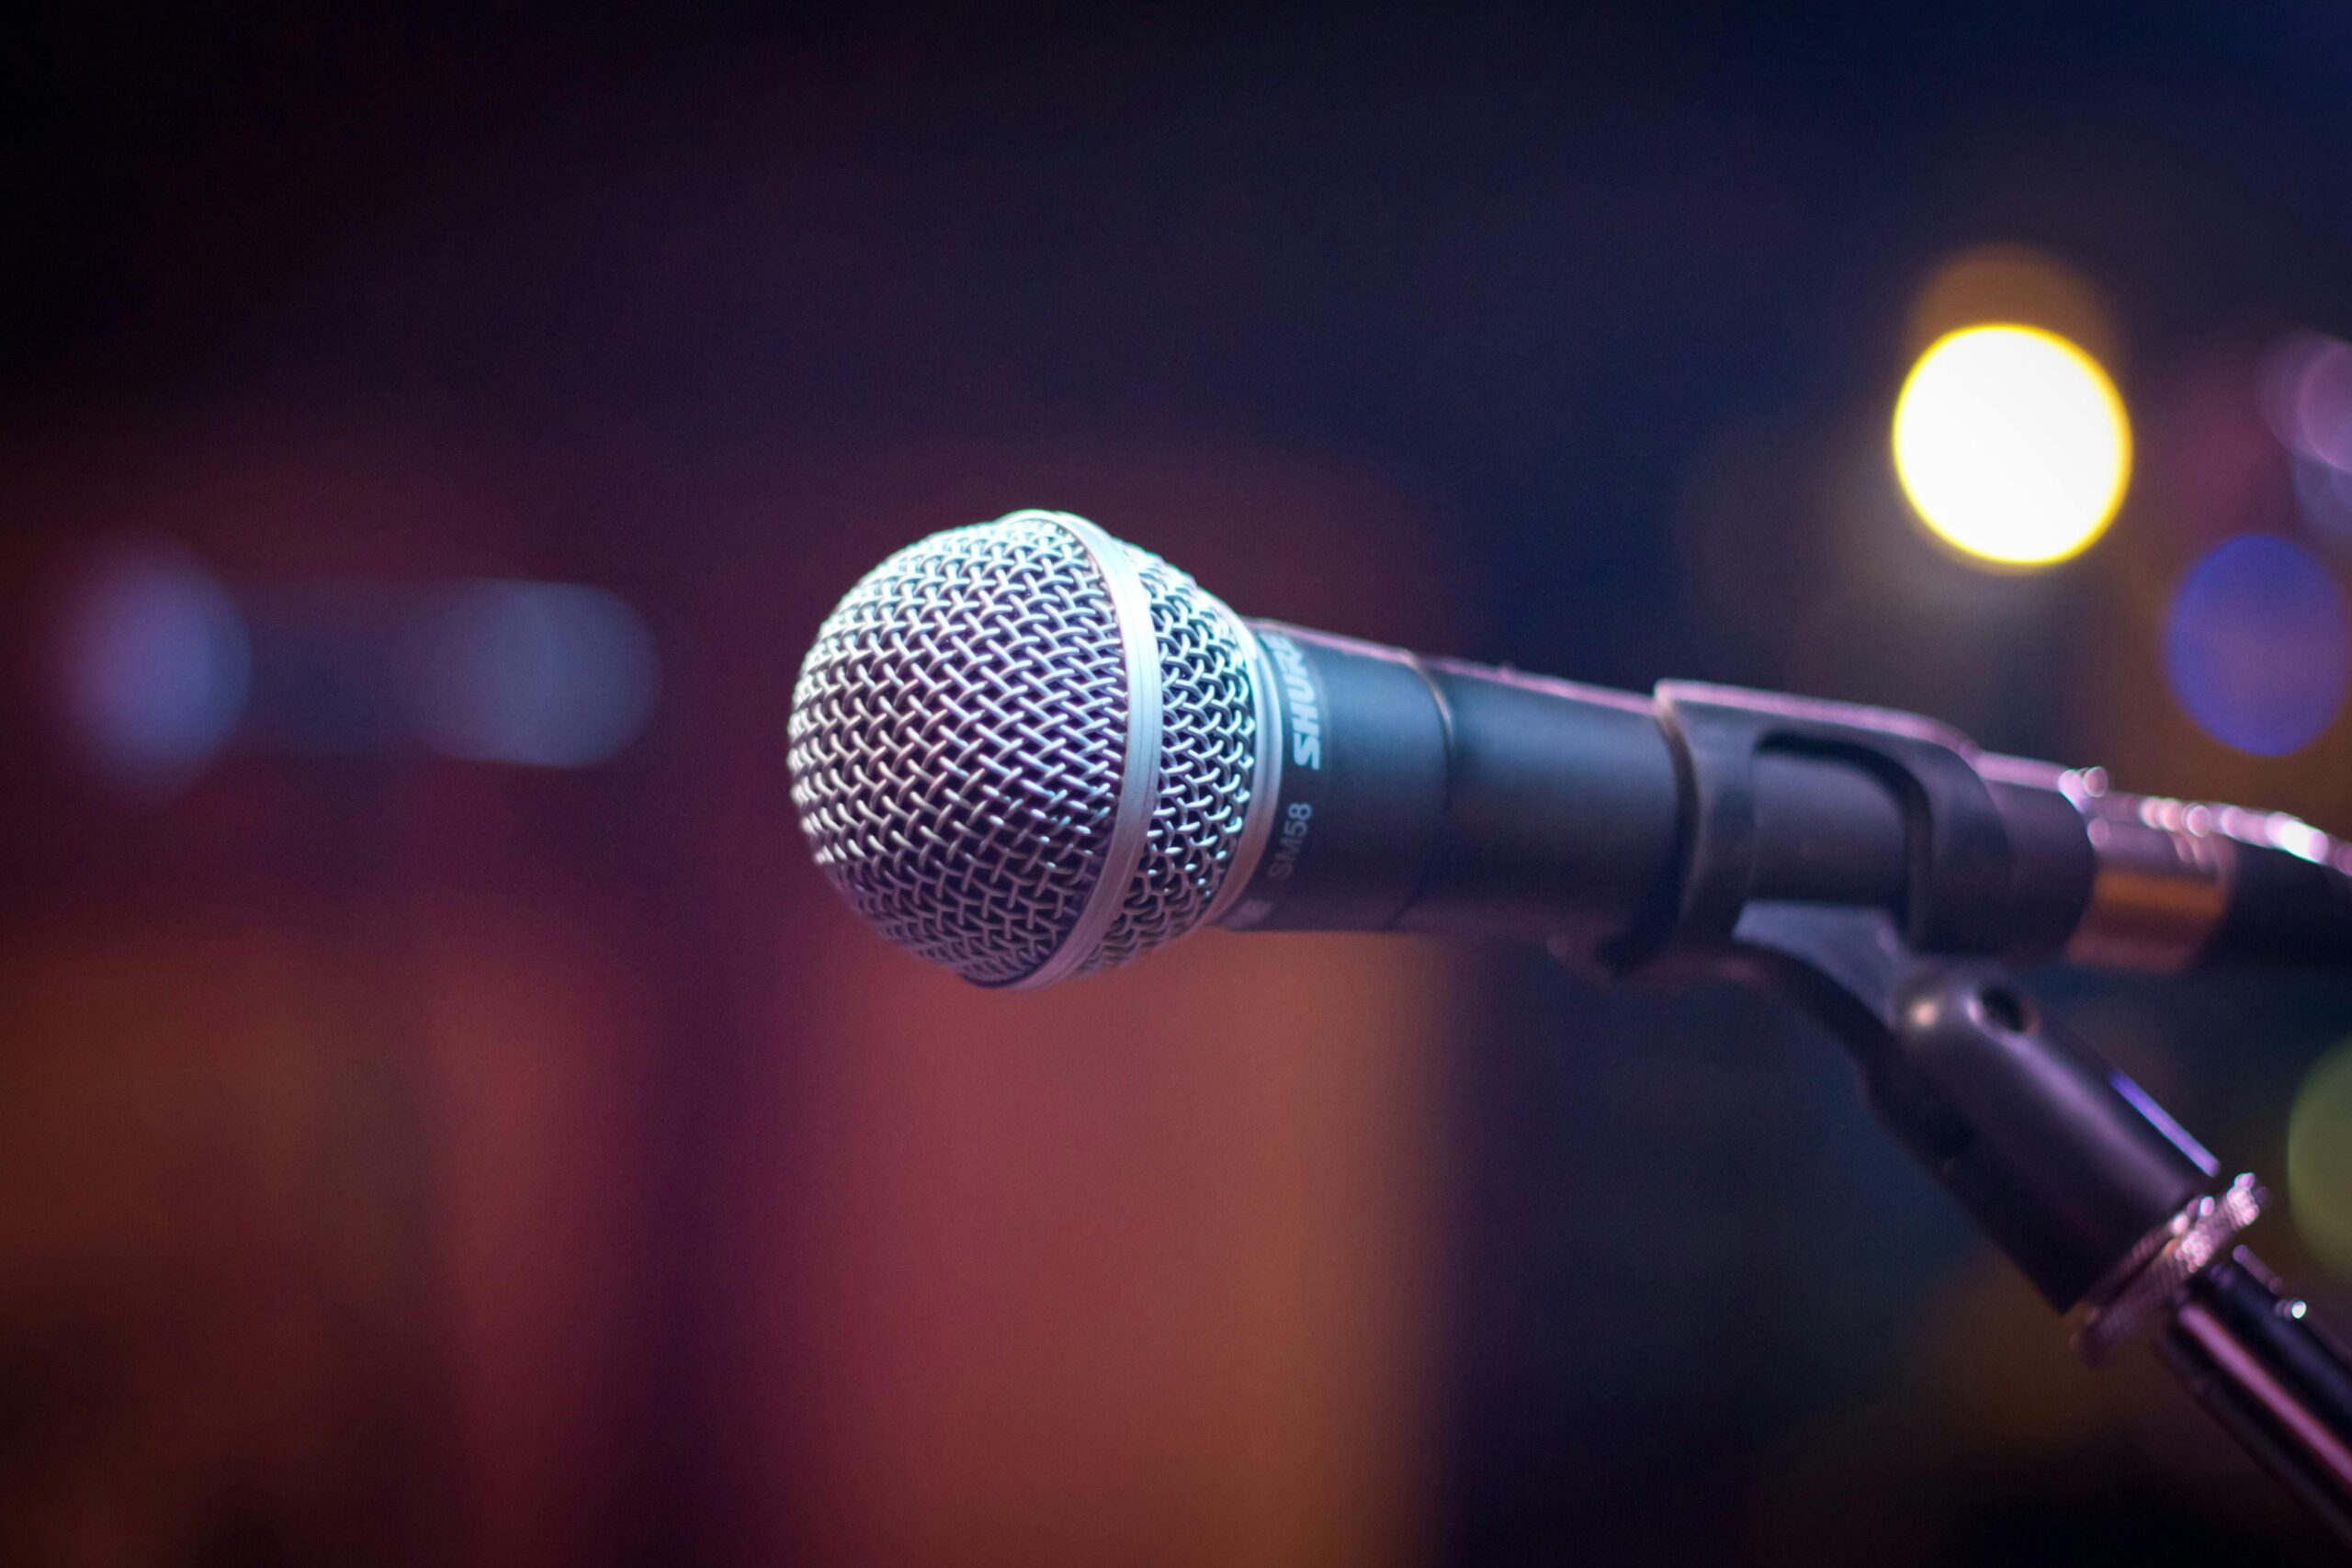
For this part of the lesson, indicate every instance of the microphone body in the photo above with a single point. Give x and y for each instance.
(1420, 796)
(1027, 751)
(1433, 794)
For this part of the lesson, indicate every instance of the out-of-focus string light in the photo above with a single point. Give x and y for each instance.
(2012, 444)
(2258, 644)
(2319, 1160)
(160, 667)
(546, 674)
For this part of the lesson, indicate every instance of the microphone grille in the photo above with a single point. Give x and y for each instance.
(1208, 755)
(960, 740)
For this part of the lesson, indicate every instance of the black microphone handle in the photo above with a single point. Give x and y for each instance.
(1430, 795)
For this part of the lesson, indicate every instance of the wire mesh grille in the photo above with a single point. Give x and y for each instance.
(1207, 754)
(957, 737)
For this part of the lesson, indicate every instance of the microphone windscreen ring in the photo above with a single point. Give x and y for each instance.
(1025, 750)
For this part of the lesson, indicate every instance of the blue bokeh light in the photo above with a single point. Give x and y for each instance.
(157, 668)
(2258, 644)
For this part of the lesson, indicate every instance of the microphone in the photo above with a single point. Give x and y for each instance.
(1027, 751)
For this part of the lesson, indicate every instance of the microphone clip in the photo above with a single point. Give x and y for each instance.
(1957, 865)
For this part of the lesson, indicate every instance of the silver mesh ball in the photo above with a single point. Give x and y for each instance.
(959, 737)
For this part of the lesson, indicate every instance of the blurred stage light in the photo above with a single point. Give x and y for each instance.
(156, 669)
(2258, 644)
(2319, 1160)
(2012, 445)
(2308, 398)
(2323, 494)
(2008, 282)
(549, 674)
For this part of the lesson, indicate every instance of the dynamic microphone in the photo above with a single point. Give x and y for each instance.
(1026, 750)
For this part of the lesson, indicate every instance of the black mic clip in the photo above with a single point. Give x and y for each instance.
(1952, 856)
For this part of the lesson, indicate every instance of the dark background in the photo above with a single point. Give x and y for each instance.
(404, 1160)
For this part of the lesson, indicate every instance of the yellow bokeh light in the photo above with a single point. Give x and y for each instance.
(2319, 1160)
(2012, 444)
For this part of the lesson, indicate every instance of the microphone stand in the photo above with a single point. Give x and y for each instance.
(2116, 1214)
(2111, 1209)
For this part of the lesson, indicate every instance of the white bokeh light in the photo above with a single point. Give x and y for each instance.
(2012, 444)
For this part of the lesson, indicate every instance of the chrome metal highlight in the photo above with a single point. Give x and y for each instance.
(2162, 883)
(2140, 1289)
